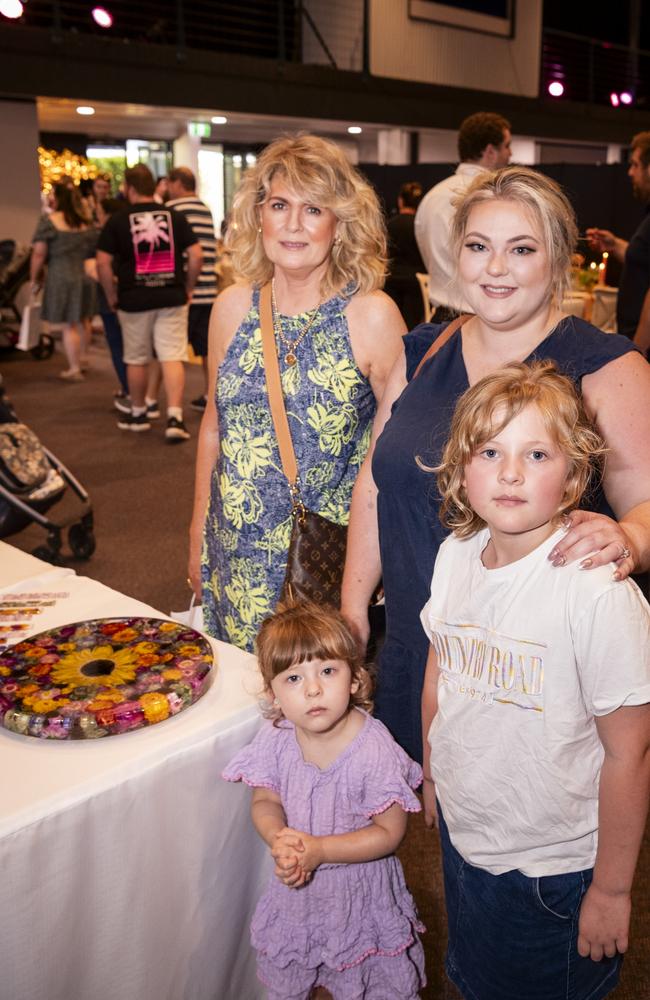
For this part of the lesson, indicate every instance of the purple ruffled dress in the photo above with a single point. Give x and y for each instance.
(353, 928)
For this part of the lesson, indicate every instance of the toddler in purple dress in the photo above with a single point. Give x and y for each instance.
(331, 793)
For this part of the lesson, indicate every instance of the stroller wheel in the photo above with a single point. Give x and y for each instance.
(47, 554)
(44, 349)
(81, 541)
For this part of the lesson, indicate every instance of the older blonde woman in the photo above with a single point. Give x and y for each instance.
(305, 219)
(513, 236)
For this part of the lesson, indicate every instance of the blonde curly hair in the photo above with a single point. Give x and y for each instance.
(317, 170)
(307, 631)
(510, 390)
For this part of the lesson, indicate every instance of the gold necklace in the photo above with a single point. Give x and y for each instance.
(290, 357)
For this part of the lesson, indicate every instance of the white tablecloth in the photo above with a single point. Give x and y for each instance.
(128, 869)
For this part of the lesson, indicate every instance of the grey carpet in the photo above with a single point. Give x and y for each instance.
(141, 491)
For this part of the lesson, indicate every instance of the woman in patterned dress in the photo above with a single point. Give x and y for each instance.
(63, 240)
(304, 218)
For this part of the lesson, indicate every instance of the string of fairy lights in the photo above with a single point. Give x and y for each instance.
(65, 166)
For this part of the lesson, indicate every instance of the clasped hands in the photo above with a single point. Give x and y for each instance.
(296, 856)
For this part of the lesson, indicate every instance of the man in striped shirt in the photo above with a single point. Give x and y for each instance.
(183, 198)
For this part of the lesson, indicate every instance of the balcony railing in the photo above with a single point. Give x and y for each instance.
(286, 30)
(592, 70)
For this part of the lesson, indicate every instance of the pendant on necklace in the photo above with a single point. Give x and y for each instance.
(290, 358)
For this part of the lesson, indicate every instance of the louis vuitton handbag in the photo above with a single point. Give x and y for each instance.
(317, 546)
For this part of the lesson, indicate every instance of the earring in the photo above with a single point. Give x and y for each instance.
(338, 241)
(259, 229)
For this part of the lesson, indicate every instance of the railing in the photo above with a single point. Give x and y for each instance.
(332, 32)
(592, 70)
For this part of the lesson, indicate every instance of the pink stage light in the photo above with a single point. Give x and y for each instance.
(614, 100)
(625, 97)
(556, 89)
(11, 8)
(102, 17)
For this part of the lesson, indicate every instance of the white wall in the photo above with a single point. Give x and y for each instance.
(432, 53)
(409, 49)
(20, 203)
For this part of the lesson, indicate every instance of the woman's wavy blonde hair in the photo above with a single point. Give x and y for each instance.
(307, 631)
(318, 171)
(545, 202)
(509, 391)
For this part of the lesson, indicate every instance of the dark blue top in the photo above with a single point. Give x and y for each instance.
(410, 531)
(635, 280)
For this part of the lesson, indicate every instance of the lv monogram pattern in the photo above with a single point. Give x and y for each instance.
(315, 561)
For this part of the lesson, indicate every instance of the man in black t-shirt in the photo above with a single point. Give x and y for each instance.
(633, 304)
(145, 246)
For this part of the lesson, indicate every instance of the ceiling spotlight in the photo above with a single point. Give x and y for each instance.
(555, 88)
(11, 8)
(626, 97)
(85, 109)
(354, 129)
(219, 120)
(102, 17)
(614, 100)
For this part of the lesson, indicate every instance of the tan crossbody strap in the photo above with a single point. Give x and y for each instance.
(274, 388)
(446, 335)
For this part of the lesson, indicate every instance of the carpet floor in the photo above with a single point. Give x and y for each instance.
(141, 492)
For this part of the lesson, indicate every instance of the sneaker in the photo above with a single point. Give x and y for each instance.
(129, 422)
(152, 411)
(122, 402)
(199, 403)
(175, 432)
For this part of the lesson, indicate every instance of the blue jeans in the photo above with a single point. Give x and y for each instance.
(113, 332)
(515, 938)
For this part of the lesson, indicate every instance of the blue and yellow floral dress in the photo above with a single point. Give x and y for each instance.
(330, 406)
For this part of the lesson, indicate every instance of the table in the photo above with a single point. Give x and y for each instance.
(597, 306)
(130, 870)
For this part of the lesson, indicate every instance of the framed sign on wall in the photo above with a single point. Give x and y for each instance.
(490, 17)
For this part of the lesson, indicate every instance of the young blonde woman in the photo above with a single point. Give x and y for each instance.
(513, 236)
(305, 219)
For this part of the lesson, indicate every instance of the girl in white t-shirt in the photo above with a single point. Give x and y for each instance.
(535, 704)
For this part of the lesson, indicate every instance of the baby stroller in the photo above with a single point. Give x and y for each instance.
(32, 480)
(14, 273)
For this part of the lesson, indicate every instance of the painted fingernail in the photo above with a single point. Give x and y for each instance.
(559, 560)
(552, 555)
(616, 576)
(585, 564)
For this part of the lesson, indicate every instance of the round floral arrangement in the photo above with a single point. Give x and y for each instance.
(101, 677)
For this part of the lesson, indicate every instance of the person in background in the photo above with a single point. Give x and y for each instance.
(147, 242)
(483, 144)
(512, 236)
(305, 222)
(110, 321)
(538, 729)
(183, 198)
(62, 241)
(633, 302)
(331, 793)
(405, 260)
(161, 192)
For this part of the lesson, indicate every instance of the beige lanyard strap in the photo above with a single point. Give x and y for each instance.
(274, 388)
(440, 341)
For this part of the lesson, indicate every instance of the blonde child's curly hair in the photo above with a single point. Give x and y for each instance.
(307, 631)
(487, 407)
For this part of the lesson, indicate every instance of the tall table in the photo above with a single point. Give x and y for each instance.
(129, 868)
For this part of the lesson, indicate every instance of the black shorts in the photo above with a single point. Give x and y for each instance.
(197, 328)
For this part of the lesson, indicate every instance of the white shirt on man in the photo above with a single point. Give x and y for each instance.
(432, 232)
(528, 655)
